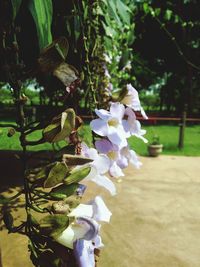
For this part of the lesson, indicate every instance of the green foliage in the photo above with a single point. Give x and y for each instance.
(77, 175)
(119, 36)
(16, 6)
(56, 175)
(54, 225)
(172, 26)
(42, 12)
(60, 127)
(63, 191)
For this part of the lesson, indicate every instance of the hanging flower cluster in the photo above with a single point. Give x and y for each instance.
(110, 156)
(115, 127)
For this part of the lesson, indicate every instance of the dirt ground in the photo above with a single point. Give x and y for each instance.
(155, 222)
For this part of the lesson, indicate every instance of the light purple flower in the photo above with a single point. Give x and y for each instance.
(119, 158)
(82, 227)
(110, 125)
(132, 126)
(113, 153)
(132, 100)
(85, 224)
(95, 209)
(84, 251)
(128, 156)
(99, 167)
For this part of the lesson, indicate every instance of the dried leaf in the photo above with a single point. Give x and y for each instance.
(53, 55)
(66, 73)
(73, 160)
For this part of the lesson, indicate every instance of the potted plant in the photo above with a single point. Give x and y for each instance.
(155, 148)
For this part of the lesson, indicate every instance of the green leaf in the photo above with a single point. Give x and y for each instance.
(146, 8)
(113, 11)
(54, 224)
(109, 30)
(124, 11)
(60, 127)
(168, 14)
(64, 190)
(16, 6)
(157, 11)
(56, 175)
(42, 12)
(77, 175)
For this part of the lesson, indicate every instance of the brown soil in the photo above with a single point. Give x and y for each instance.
(155, 222)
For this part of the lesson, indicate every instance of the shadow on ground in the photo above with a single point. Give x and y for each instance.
(155, 221)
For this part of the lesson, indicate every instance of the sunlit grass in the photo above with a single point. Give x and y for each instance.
(168, 135)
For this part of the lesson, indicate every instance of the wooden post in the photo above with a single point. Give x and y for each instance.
(182, 129)
(0, 259)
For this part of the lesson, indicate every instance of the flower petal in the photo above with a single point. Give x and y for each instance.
(104, 146)
(81, 210)
(117, 110)
(117, 136)
(134, 159)
(102, 164)
(105, 182)
(103, 114)
(84, 253)
(99, 126)
(122, 162)
(115, 170)
(100, 211)
(90, 226)
(82, 228)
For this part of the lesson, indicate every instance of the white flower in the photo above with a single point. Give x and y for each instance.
(128, 156)
(84, 251)
(99, 167)
(132, 126)
(119, 158)
(132, 100)
(113, 153)
(110, 125)
(85, 225)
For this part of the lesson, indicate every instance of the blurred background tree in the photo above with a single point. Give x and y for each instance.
(153, 45)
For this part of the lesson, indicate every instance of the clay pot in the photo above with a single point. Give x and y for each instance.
(155, 150)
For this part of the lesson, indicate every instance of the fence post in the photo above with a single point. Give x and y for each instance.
(182, 129)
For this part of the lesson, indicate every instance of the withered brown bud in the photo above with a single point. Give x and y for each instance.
(11, 132)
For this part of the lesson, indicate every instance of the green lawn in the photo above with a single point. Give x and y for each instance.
(12, 143)
(168, 137)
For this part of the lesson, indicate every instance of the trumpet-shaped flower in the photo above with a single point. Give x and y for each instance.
(100, 166)
(84, 251)
(113, 153)
(132, 100)
(110, 125)
(85, 225)
(132, 126)
(118, 157)
(128, 156)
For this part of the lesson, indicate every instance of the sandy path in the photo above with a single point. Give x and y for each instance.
(155, 222)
